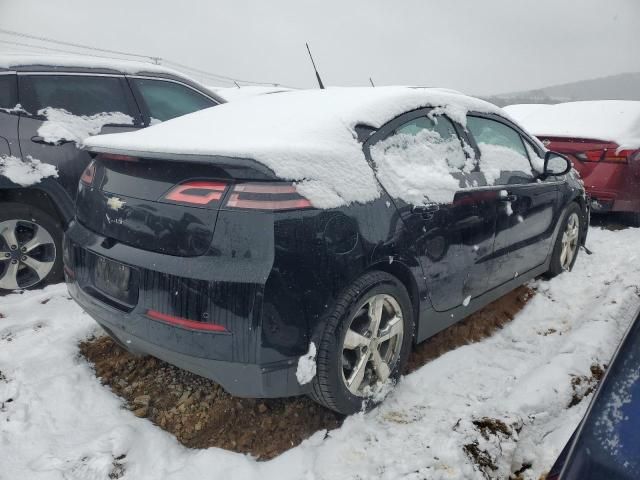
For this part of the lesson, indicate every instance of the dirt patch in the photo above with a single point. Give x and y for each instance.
(491, 426)
(476, 327)
(201, 414)
(583, 386)
(480, 457)
(198, 411)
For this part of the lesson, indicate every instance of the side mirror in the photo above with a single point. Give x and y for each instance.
(556, 164)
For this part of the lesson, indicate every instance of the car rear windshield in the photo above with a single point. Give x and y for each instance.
(77, 94)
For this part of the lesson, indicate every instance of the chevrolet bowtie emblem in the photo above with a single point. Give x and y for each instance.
(114, 203)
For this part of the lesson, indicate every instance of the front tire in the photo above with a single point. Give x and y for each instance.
(364, 344)
(30, 247)
(565, 250)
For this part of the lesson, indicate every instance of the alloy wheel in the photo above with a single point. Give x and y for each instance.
(570, 241)
(27, 254)
(372, 344)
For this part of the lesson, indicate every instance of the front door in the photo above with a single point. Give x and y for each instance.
(62, 110)
(526, 207)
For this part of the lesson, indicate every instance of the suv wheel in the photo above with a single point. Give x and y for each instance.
(30, 247)
(365, 343)
(565, 250)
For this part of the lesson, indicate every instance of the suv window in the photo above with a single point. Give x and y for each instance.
(77, 94)
(503, 157)
(166, 100)
(8, 93)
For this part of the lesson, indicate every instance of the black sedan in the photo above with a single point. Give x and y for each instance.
(300, 243)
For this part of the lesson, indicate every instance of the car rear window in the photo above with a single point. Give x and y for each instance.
(77, 94)
(166, 100)
(8, 91)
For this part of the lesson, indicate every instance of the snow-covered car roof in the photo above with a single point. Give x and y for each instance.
(609, 120)
(26, 61)
(520, 111)
(308, 136)
(87, 64)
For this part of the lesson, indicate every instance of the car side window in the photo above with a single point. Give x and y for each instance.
(503, 156)
(85, 95)
(422, 161)
(8, 93)
(166, 100)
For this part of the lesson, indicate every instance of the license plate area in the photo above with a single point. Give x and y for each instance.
(114, 283)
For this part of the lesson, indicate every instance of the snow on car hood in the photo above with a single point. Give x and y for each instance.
(610, 120)
(305, 136)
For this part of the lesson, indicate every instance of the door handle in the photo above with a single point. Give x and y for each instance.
(427, 211)
(508, 197)
(41, 140)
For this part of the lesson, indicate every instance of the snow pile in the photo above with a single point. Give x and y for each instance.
(610, 120)
(61, 125)
(505, 398)
(26, 173)
(307, 366)
(306, 136)
(418, 168)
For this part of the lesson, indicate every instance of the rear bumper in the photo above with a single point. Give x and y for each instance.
(235, 358)
(607, 201)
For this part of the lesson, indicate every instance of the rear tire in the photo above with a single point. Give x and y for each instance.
(360, 350)
(30, 247)
(565, 250)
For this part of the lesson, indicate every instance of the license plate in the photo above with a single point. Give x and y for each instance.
(112, 278)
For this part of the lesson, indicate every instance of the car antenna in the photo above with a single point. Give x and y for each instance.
(371, 82)
(320, 84)
(236, 84)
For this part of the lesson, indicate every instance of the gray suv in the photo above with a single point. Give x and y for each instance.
(98, 93)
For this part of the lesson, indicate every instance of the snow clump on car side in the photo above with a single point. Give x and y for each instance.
(307, 366)
(26, 173)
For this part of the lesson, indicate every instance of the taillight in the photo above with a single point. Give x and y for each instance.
(266, 196)
(199, 192)
(89, 174)
(605, 155)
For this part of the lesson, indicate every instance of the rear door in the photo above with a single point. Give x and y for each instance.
(526, 207)
(449, 217)
(63, 109)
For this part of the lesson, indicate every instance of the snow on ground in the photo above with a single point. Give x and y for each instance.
(26, 173)
(58, 422)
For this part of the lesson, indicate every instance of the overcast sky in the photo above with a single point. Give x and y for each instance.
(477, 46)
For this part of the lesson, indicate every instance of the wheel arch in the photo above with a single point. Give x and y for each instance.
(403, 273)
(55, 204)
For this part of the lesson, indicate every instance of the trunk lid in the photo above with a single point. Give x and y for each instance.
(163, 206)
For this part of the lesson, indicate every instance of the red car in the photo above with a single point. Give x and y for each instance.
(602, 138)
